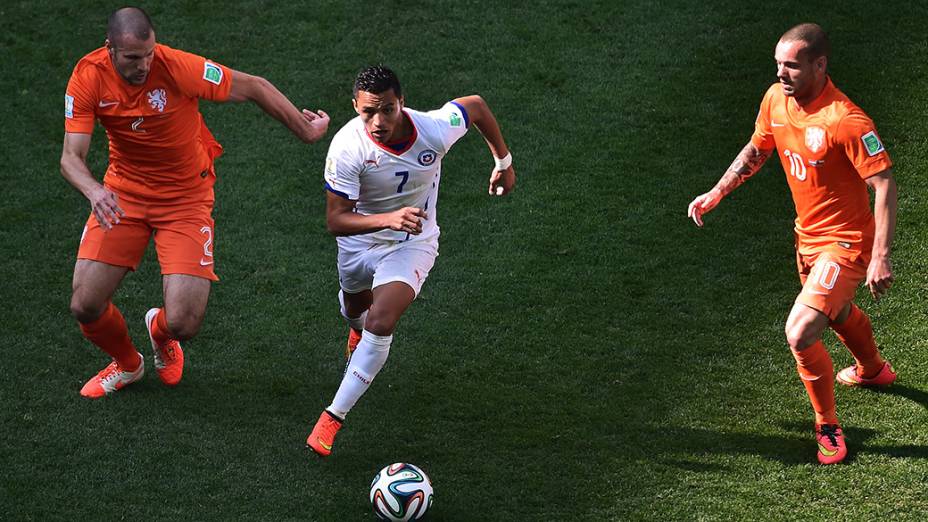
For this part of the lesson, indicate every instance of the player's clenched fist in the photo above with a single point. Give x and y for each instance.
(703, 204)
(406, 219)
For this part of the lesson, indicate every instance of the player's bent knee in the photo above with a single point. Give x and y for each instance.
(799, 337)
(380, 324)
(85, 311)
(184, 326)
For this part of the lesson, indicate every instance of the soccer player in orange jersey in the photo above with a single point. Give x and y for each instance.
(831, 154)
(159, 184)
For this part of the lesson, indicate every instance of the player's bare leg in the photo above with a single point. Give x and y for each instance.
(388, 304)
(354, 309)
(101, 323)
(804, 328)
(185, 299)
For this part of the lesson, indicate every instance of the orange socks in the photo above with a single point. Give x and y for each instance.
(856, 333)
(110, 334)
(159, 329)
(818, 376)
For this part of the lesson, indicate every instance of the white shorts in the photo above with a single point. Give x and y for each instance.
(364, 265)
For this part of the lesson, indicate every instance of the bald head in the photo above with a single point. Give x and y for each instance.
(814, 38)
(128, 23)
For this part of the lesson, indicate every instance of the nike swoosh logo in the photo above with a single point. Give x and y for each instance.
(817, 292)
(775, 124)
(328, 447)
(205, 263)
(825, 451)
(104, 104)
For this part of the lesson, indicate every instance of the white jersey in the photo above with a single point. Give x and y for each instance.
(381, 179)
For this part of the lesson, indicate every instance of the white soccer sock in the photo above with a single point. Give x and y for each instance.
(365, 363)
(355, 322)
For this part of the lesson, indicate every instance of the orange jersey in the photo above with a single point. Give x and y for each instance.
(827, 149)
(159, 145)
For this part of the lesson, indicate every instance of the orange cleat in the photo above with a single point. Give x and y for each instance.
(169, 359)
(323, 435)
(831, 446)
(851, 377)
(111, 379)
(354, 337)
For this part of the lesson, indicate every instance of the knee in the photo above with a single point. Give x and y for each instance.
(183, 324)
(86, 311)
(380, 323)
(797, 336)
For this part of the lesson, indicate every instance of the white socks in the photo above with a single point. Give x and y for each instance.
(364, 365)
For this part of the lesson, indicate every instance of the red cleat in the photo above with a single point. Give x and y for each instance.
(354, 337)
(850, 376)
(169, 359)
(111, 379)
(322, 437)
(831, 446)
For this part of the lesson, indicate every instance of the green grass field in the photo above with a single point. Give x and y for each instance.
(581, 350)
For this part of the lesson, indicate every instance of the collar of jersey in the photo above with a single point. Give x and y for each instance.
(409, 144)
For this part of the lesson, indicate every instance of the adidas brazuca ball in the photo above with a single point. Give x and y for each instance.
(401, 492)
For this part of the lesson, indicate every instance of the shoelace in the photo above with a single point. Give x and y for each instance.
(831, 431)
(110, 372)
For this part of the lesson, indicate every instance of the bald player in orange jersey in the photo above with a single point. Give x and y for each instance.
(831, 154)
(159, 184)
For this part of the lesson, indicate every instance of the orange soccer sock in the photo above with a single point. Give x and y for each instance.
(856, 333)
(818, 376)
(159, 329)
(110, 334)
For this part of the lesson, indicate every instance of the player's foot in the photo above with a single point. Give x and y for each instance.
(169, 358)
(323, 436)
(831, 447)
(354, 337)
(110, 379)
(851, 377)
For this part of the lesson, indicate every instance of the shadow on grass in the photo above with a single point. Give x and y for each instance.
(796, 447)
(913, 394)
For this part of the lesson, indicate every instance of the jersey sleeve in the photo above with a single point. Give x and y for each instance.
(451, 123)
(198, 77)
(79, 102)
(342, 171)
(857, 135)
(763, 131)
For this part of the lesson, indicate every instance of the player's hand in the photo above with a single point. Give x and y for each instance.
(703, 204)
(502, 181)
(879, 276)
(105, 206)
(406, 219)
(318, 124)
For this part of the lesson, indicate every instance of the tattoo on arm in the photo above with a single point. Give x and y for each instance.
(746, 164)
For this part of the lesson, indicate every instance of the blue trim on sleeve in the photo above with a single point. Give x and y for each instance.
(336, 192)
(464, 113)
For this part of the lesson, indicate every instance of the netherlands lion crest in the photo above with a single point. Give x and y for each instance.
(815, 138)
(157, 98)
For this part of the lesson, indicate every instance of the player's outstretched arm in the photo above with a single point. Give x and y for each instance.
(103, 203)
(342, 220)
(746, 164)
(880, 271)
(503, 177)
(306, 125)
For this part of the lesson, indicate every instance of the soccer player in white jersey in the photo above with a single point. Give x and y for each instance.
(382, 174)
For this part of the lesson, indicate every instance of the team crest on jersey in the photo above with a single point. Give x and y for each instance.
(427, 157)
(815, 138)
(157, 98)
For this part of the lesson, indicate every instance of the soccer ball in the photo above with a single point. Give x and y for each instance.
(401, 492)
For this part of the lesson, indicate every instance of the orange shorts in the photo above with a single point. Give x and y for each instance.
(182, 228)
(830, 278)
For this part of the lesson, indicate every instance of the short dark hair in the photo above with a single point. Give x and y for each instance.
(813, 36)
(377, 79)
(128, 20)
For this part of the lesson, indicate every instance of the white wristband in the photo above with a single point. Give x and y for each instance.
(503, 163)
